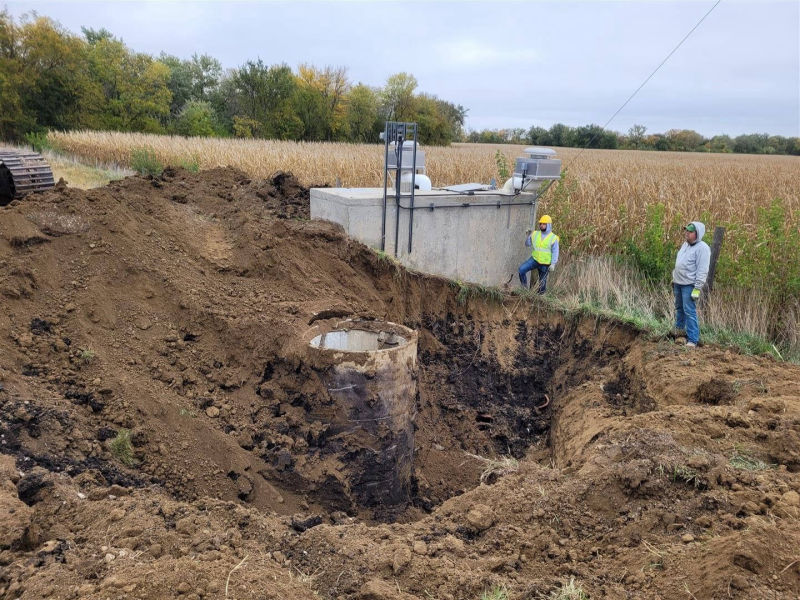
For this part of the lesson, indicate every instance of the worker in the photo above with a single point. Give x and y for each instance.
(688, 279)
(544, 253)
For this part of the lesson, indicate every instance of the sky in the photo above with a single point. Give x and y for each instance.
(511, 64)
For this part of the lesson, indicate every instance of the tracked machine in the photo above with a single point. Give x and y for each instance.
(22, 173)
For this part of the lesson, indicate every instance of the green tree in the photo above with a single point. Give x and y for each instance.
(397, 97)
(197, 118)
(53, 74)
(14, 121)
(539, 136)
(265, 95)
(560, 135)
(362, 114)
(128, 90)
(636, 136)
(194, 79)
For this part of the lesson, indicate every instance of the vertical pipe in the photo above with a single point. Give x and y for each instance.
(413, 188)
(399, 152)
(385, 182)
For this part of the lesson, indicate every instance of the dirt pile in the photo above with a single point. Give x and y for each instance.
(158, 435)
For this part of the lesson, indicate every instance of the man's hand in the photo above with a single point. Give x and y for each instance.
(695, 294)
(551, 268)
(528, 231)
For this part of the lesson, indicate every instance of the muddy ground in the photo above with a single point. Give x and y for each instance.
(176, 309)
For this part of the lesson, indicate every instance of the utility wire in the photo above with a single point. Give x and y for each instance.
(649, 77)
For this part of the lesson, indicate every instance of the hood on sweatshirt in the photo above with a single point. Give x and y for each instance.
(701, 230)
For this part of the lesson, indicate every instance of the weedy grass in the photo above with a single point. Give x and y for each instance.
(498, 592)
(121, 448)
(496, 467)
(86, 355)
(742, 459)
(569, 591)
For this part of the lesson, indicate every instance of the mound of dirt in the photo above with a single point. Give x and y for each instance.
(161, 437)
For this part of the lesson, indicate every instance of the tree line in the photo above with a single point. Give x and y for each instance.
(637, 138)
(51, 78)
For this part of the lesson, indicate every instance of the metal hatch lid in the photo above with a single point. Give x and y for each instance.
(467, 187)
(539, 152)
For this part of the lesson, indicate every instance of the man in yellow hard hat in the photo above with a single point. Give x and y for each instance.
(544, 253)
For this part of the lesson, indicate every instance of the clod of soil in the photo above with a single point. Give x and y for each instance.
(715, 391)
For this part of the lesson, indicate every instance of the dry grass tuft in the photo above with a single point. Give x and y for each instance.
(496, 467)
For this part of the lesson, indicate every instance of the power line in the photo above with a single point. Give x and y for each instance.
(649, 77)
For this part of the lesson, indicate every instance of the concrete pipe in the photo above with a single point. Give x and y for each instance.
(369, 369)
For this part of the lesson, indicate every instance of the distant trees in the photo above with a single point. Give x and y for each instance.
(594, 136)
(51, 78)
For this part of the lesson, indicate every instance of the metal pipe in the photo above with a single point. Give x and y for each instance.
(385, 183)
(433, 206)
(399, 152)
(413, 187)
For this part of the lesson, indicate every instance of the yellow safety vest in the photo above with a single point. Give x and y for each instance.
(541, 247)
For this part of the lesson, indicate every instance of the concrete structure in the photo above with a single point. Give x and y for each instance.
(478, 238)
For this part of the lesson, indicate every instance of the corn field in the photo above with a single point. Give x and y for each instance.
(609, 184)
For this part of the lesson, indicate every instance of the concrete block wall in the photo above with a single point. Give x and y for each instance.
(464, 237)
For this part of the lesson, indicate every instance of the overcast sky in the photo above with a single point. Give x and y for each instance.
(512, 64)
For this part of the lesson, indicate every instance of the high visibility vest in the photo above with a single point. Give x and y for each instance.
(541, 247)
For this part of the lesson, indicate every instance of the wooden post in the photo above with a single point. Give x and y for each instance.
(716, 246)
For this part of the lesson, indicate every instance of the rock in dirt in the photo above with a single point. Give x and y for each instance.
(480, 517)
(791, 498)
(377, 589)
(401, 559)
(300, 525)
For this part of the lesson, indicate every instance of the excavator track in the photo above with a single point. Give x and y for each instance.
(22, 173)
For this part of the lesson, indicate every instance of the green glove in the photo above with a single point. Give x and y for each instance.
(695, 294)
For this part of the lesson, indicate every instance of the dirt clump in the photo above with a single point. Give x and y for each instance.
(715, 391)
(161, 431)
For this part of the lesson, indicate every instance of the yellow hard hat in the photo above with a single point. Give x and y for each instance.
(546, 219)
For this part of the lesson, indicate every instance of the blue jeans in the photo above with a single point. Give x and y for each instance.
(530, 265)
(686, 312)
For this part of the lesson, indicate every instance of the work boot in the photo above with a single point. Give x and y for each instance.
(691, 345)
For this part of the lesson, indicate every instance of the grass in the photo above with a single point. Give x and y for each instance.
(498, 592)
(122, 448)
(608, 287)
(82, 173)
(684, 474)
(145, 162)
(496, 467)
(742, 459)
(569, 591)
(467, 291)
(86, 356)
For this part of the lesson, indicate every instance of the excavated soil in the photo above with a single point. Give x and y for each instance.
(178, 309)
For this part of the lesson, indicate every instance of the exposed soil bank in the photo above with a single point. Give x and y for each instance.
(179, 309)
